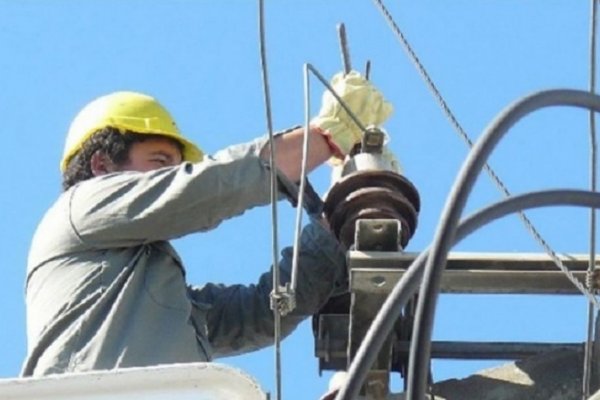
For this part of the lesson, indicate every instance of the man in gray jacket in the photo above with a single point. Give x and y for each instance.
(105, 289)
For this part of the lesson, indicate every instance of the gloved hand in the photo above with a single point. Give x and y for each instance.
(365, 101)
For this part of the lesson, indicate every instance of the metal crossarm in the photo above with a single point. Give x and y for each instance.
(489, 273)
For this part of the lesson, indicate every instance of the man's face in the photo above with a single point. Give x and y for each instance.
(152, 153)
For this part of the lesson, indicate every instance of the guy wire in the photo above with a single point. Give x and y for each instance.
(463, 134)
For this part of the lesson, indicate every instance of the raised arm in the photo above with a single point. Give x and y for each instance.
(333, 133)
(288, 151)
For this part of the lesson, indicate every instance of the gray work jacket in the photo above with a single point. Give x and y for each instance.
(105, 289)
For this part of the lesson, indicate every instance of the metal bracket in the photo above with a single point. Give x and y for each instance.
(378, 235)
(284, 300)
(373, 140)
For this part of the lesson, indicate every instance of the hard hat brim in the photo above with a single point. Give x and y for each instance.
(190, 151)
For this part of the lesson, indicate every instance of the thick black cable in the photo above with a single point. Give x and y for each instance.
(444, 237)
(407, 286)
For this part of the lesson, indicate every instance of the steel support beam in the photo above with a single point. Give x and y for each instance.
(373, 274)
(488, 350)
(481, 273)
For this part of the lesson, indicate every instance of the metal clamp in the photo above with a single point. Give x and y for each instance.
(284, 300)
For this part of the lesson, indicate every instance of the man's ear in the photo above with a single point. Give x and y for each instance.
(100, 164)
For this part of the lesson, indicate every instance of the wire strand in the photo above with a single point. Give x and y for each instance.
(587, 363)
(463, 134)
(275, 294)
(298, 228)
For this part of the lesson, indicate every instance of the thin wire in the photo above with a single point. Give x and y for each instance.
(310, 68)
(296, 251)
(408, 284)
(275, 294)
(587, 363)
(463, 134)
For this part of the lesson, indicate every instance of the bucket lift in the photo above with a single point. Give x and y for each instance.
(198, 381)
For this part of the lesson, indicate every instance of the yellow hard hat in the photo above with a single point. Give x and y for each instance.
(125, 111)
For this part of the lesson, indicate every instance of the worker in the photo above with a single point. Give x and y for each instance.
(105, 289)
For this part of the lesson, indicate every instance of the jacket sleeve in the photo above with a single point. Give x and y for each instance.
(238, 319)
(131, 208)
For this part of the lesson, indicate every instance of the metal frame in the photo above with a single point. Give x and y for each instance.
(340, 328)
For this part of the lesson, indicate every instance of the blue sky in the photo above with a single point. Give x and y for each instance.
(201, 59)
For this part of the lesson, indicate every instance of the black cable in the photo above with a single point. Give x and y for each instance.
(407, 286)
(421, 339)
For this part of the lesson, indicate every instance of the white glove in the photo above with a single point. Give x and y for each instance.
(365, 101)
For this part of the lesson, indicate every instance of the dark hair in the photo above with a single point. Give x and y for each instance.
(112, 143)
